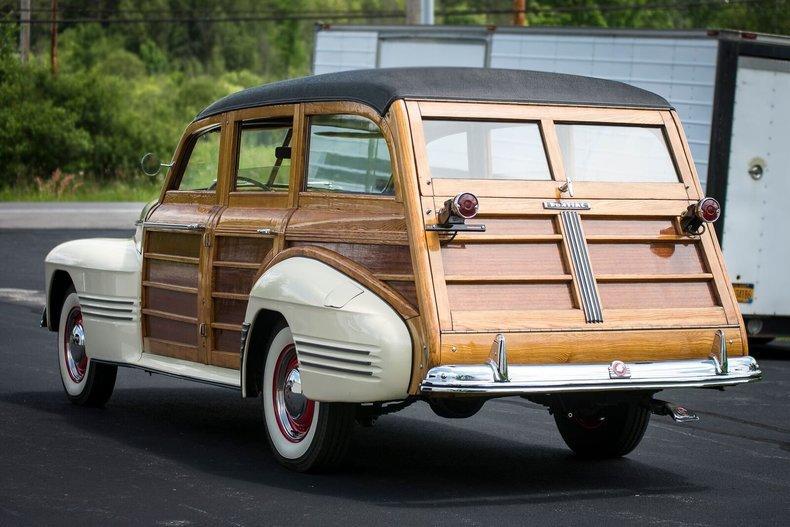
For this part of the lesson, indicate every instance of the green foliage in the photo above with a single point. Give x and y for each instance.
(128, 88)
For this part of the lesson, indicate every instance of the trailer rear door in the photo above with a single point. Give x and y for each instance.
(755, 246)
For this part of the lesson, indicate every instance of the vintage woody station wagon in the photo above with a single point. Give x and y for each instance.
(346, 244)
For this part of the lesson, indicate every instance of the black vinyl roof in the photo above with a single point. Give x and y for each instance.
(378, 88)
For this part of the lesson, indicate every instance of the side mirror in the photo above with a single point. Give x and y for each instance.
(150, 164)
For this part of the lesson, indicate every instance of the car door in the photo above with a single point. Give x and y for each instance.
(175, 255)
(251, 228)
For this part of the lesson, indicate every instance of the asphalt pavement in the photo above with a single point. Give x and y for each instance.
(169, 452)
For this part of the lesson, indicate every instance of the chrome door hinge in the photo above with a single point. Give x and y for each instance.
(203, 332)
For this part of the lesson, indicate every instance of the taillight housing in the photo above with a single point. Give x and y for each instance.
(458, 209)
(706, 210)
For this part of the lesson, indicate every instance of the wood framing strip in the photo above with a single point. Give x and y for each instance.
(170, 287)
(173, 258)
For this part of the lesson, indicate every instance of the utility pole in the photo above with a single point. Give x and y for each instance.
(24, 30)
(520, 13)
(53, 42)
(412, 12)
(419, 12)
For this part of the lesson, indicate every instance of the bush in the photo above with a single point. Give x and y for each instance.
(101, 113)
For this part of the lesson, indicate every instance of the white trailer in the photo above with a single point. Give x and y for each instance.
(730, 88)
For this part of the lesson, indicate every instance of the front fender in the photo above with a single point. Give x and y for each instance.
(106, 276)
(352, 346)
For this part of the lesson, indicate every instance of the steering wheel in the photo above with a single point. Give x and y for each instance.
(253, 182)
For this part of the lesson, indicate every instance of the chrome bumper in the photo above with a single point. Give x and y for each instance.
(516, 379)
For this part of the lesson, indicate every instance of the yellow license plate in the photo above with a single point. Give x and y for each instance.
(744, 293)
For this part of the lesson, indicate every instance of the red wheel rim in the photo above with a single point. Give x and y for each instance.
(74, 353)
(293, 411)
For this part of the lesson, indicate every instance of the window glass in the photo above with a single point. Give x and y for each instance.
(485, 150)
(348, 154)
(201, 170)
(636, 154)
(264, 158)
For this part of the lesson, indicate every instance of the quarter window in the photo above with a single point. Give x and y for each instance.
(201, 170)
(615, 153)
(264, 157)
(348, 153)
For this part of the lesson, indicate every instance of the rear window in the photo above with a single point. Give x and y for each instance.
(485, 150)
(612, 153)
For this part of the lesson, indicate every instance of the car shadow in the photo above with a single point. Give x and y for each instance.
(403, 461)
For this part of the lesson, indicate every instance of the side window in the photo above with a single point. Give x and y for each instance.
(264, 162)
(348, 153)
(201, 170)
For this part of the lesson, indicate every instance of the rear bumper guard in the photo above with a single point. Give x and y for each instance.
(496, 377)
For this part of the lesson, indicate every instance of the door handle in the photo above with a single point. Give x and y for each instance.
(174, 226)
(266, 231)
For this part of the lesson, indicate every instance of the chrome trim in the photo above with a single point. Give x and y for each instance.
(497, 359)
(167, 373)
(89, 298)
(245, 332)
(348, 371)
(556, 378)
(174, 226)
(265, 231)
(591, 304)
(301, 341)
(107, 316)
(338, 359)
(718, 353)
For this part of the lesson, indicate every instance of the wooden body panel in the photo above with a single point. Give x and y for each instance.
(662, 293)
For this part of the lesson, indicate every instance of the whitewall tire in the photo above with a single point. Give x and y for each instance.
(304, 435)
(86, 383)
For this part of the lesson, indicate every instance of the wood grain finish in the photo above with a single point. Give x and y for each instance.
(510, 296)
(647, 295)
(591, 346)
(176, 273)
(244, 249)
(623, 227)
(177, 302)
(645, 258)
(172, 330)
(503, 259)
(389, 259)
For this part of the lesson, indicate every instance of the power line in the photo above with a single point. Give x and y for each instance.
(357, 15)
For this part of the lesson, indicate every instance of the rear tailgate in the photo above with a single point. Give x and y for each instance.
(606, 274)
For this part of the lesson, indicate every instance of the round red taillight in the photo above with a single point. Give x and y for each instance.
(709, 210)
(466, 205)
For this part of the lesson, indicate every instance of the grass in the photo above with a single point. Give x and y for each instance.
(139, 190)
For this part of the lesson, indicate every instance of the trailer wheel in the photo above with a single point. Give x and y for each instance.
(305, 435)
(603, 431)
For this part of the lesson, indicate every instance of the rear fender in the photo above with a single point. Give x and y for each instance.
(351, 344)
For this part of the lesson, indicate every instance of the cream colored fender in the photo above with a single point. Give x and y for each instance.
(106, 274)
(352, 346)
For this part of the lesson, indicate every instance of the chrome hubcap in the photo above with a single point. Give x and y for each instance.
(74, 346)
(293, 411)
